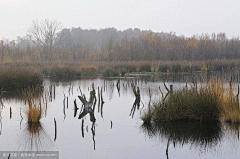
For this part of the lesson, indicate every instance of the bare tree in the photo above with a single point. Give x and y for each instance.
(44, 34)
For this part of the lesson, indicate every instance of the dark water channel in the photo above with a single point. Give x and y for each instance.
(113, 133)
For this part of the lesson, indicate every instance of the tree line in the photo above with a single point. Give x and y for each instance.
(46, 40)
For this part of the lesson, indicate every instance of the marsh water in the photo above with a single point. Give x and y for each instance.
(115, 133)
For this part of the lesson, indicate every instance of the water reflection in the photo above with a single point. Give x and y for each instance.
(1, 125)
(117, 111)
(93, 135)
(92, 130)
(232, 128)
(1, 95)
(202, 135)
(136, 103)
(102, 102)
(88, 108)
(1, 107)
(118, 87)
(75, 108)
(34, 137)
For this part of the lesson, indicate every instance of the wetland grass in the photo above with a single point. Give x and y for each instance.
(231, 111)
(213, 101)
(34, 111)
(16, 79)
(186, 105)
(61, 72)
(23, 74)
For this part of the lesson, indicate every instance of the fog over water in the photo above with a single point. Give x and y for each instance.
(185, 17)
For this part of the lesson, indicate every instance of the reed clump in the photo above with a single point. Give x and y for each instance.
(209, 102)
(202, 105)
(34, 110)
(231, 111)
(34, 114)
(228, 100)
(147, 117)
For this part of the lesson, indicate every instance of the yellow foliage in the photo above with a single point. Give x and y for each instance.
(152, 68)
(90, 68)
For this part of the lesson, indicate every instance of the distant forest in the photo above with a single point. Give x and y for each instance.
(110, 44)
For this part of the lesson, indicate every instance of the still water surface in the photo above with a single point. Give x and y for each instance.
(115, 134)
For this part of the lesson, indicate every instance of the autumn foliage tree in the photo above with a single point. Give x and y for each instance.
(46, 41)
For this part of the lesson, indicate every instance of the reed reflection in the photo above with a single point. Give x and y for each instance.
(232, 128)
(34, 137)
(202, 135)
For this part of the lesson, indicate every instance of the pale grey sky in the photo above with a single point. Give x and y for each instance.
(185, 17)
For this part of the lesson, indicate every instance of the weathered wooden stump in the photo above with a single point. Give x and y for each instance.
(88, 105)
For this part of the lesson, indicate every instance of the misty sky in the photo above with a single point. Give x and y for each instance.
(185, 17)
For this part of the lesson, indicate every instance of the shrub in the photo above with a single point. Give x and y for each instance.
(145, 68)
(131, 68)
(163, 68)
(109, 72)
(123, 71)
(176, 68)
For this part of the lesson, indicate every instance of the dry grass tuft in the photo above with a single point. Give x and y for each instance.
(34, 114)
(34, 111)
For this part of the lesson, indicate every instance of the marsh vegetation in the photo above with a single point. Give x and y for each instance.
(98, 92)
(84, 111)
(205, 102)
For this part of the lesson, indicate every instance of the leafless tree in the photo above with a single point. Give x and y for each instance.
(44, 34)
